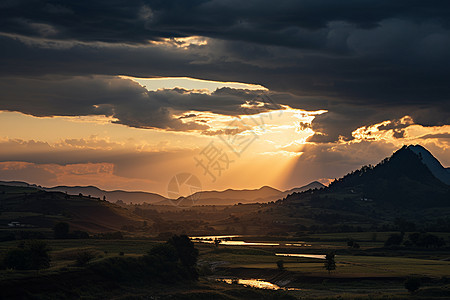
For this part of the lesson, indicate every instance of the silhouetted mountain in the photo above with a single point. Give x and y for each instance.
(19, 183)
(111, 196)
(311, 186)
(230, 197)
(435, 167)
(402, 180)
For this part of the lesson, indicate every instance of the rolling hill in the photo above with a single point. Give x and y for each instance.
(264, 194)
(111, 196)
(228, 197)
(36, 208)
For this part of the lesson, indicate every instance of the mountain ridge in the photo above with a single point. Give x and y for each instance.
(401, 180)
(435, 167)
(225, 197)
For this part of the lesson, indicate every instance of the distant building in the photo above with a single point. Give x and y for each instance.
(14, 224)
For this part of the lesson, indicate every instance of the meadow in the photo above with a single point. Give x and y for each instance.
(370, 272)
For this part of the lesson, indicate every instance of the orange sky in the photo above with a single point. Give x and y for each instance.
(268, 148)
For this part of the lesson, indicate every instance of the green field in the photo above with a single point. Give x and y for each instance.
(356, 276)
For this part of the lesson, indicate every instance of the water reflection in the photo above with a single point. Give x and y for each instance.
(213, 237)
(256, 283)
(299, 245)
(319, 256)
(228, 240)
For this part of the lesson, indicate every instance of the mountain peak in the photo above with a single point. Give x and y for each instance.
(432, 163)
(409, 178)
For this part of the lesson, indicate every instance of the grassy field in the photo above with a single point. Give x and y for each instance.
(358, 276)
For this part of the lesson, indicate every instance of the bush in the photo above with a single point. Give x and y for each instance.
(280, 265)
(425, 240)
(412, 284)
(83, 258)
(40, 259)
(162, 264)
(17, 259)
(33, 256)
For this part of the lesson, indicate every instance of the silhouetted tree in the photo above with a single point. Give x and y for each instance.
(32, 255)
(83, 258)
(186, 251)
(39, 254)
(280, 265)
(412, 284)
(330, 263)
(17, 259)
(427, 240)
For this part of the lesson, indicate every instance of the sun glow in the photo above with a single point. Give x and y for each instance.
(208, 86)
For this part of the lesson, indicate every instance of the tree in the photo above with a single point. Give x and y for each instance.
(280, 265)
(40, 259)
(165, 251)
(412, 284)
(83, 258)
(33, 256)
(61, 230)
(17, 259)
(426, 240)
(186, 251)
(330, 263)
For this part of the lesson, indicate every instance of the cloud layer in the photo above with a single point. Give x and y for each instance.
(364, 62)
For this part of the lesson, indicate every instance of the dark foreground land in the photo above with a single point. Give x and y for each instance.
(141, 268)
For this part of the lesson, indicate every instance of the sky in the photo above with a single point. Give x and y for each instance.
(129, 94)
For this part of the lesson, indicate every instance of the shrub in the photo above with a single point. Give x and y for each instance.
(280, 265)
(17, 259)
(33, 256)
(40, 259)
(162, 264)
(426, 240)
(83, 258)
(412, 284)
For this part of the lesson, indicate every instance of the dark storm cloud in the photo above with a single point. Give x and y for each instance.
(123, 99)
(363, 61)
(137, 21)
